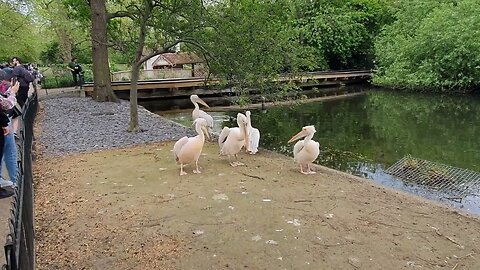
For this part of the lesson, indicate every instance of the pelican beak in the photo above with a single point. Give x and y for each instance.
(199, 100)
(205, 131)
(298, 136)
(246, 134)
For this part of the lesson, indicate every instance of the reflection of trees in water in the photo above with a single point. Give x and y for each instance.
(431, 127)
(380, 127)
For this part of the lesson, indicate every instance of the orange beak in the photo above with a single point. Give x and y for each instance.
(298, 136)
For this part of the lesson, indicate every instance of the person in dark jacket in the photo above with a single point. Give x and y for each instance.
(76, 69)
(20, 73)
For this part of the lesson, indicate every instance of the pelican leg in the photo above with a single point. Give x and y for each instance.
(196, 167)
(301, 170)
(309, 171)
(238, 162)
(181, 170)
(233, 164)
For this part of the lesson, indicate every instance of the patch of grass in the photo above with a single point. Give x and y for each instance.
(57, 81)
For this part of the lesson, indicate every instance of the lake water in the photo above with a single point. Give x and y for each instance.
(366, 134)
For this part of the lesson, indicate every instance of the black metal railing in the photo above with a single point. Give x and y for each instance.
(19, 245)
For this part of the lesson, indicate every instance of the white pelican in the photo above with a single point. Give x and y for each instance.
(307, 150)
(254, 136)
(187, 150)
(197, 113)
(232, 140)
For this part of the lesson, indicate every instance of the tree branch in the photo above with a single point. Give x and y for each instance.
(120, 14)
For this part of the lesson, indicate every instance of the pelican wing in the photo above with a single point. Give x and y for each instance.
(207, 117)
(178, 146)
(223, 137)
(254, 140)
(306, 152)
(299, 146)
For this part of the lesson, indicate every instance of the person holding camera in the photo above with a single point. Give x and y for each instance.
(7, 142)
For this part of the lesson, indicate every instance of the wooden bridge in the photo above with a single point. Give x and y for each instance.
(184, 87)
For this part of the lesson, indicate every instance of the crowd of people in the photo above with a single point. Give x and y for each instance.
(15, 81)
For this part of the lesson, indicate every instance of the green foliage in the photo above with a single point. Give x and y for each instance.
(57, 75)
(64, 35)
(64, 80)
(250, 42)
(341, 32)
(19, 36)
(433, 45)
(51, 54)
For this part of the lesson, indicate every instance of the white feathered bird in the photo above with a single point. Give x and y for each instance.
(197, 113)
(232, 140)
(188, 150)
(307, 150)
(253, 135)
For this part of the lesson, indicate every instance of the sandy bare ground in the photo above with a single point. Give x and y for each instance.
(129, 209)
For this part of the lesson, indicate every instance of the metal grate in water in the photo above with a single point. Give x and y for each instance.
(455, 183)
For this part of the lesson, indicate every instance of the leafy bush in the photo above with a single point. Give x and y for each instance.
(64, 80)
(432, 46)
(57, 75)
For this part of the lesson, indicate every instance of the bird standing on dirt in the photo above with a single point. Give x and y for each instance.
(232, 140)
(307, 150)
(251, 144)
(197, 113)
(187, 150)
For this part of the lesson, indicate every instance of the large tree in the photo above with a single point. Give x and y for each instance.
(95, 13)
(153, 28)
(102, 90)
(251, 42)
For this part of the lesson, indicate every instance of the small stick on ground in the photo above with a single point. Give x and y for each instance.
(464, 256)
(374, 211)
(449, 239)
(219, 223)
(354, 266)
(333, 207)
(395, 226)
(298, 201)
(253, 176)
(333, 227)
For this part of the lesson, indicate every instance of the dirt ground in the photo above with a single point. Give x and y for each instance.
(129, 209)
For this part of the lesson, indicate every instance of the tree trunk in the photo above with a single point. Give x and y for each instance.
(102, 87)
(137, 64)
(133, 126)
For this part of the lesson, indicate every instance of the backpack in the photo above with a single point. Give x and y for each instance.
(27, 76)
